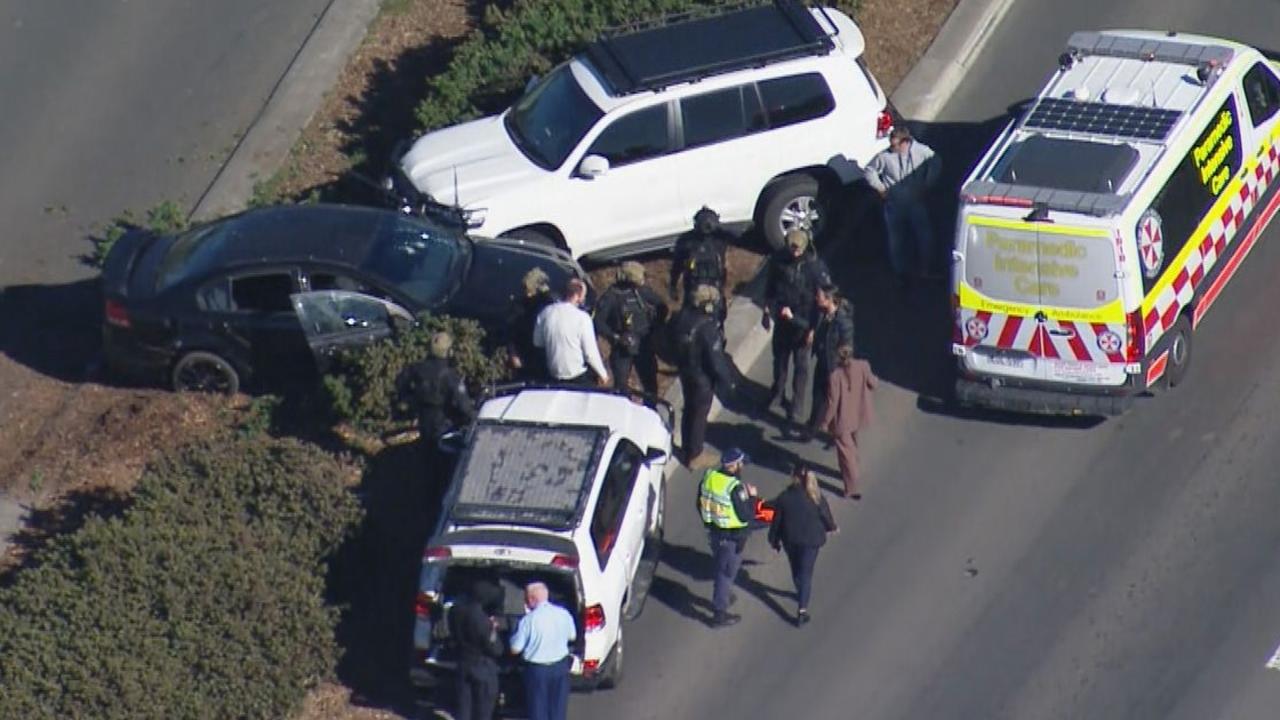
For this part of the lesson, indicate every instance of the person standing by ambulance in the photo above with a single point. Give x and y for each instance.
(903, 175)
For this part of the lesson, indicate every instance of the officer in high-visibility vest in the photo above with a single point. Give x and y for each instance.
(727, 505)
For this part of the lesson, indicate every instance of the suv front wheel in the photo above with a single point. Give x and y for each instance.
(795, 201)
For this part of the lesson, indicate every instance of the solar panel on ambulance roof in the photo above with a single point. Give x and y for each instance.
(1098, 118)
(528, 473)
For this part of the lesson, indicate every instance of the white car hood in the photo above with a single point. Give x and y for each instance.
(477, 157)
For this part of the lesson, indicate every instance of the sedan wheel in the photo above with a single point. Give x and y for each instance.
(205, 372)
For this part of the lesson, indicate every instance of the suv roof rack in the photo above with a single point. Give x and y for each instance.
(696, 44)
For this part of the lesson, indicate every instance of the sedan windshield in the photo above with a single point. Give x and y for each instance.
(423, 261)
(550, 120)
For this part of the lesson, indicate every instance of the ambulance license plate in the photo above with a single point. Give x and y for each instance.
(1068, 371)
(1010, 360)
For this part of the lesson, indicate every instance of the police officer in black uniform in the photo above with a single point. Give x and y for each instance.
(703, 364)
(700, 257)
(795, 272)
(527, 362)
(438, 392)
(628, 315)
(474, 632)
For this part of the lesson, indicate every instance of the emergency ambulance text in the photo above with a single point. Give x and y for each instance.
(1211, 153)
(1033, 263)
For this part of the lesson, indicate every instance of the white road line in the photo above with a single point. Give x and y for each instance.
(1274, 662)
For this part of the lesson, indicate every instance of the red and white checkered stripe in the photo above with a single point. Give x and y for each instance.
(1053, 339)
(1164, 310)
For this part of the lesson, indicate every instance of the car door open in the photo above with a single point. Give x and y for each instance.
(335, 319)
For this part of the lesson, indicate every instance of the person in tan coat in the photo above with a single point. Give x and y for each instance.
(849, 410)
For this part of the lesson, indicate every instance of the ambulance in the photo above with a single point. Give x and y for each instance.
(1104, 222)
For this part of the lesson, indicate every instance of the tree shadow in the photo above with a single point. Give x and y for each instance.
(67, 516)
(374, 578)
(55, 330)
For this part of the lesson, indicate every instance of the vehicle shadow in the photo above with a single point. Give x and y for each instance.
(55, 330)
(374, 578)
(697, 565)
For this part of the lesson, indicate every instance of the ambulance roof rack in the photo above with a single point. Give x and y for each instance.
(694, 45)
(1170, 51)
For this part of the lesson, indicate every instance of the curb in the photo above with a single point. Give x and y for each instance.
(919, 96)
(938, 73)
(294, 100)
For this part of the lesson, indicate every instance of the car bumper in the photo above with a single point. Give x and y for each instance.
(127, 358)
(1071, 400)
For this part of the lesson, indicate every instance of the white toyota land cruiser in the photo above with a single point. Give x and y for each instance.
(562, 486)
(757, 112)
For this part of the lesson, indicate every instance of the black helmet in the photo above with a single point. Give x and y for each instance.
(706, 221)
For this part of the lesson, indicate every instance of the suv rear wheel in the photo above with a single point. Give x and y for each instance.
(794, 201)
(201, 371)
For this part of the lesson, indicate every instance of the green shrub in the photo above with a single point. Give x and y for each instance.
(164, 218)
(530, 37)
(205, 598)
(361, 386)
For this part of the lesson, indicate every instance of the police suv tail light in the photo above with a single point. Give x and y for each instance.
(436, 552)
(116, 314)
(884, 124)
(564, 561)
(590, 667)
(1133, 338)
(423, 603)
(593, 618)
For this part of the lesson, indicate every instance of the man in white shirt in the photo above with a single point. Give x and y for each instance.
(568, 335)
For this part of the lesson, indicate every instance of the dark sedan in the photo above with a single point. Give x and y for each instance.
(261, 296)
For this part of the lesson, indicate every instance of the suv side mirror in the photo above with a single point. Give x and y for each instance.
(593, 166)
(653, 455)
(452, 442)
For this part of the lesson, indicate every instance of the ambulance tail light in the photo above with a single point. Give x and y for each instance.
(1133, 341)
(1002, 200)
(593, 618)
(884, 123)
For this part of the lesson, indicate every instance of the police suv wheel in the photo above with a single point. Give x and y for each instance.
(201, 371)
(793, 202)
(1179, 352)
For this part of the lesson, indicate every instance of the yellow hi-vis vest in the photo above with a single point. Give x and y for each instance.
(715, 501)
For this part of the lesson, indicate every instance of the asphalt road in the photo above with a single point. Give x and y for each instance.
(1001, 567)
(121, 104)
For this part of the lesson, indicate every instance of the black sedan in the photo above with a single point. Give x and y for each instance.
(261, 296)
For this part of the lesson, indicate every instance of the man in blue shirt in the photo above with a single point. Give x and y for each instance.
(542, 640)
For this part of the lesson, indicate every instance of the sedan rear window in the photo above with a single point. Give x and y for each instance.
(192, 254)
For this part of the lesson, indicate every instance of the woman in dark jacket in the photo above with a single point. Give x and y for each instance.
(800, 525)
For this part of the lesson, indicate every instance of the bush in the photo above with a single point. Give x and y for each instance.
(205, 598)
(166, 217)
(530, 37)
(361, 389)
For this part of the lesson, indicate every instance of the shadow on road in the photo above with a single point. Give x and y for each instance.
(697, 565)
(55, 330)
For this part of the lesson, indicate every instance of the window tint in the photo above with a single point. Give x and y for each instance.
(795, 99)
(639, 136)
(1262, 93)
(215, 297)
(1201, 177)
(614, 493)
(262, 293)
(721, 115)
(334, 281)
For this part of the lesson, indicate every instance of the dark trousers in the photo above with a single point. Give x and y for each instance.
(646, 365)
(693, 423)
(727, 552)
(586, 379)
(546, 689)
(802, 559)
(789, 350)
(819, 408)
(477, 692)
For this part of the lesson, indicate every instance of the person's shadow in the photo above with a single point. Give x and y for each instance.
(698, 565)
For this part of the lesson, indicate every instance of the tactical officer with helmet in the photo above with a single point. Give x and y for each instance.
(699, 257)
(438, 392)
(629, 315)
(727, 507)
(795, 273)
(702, 363)
(529, 363)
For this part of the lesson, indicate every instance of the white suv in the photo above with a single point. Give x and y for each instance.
(562, 486)
(756, 112)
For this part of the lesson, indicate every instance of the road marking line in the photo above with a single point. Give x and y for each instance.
(1274, 662)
